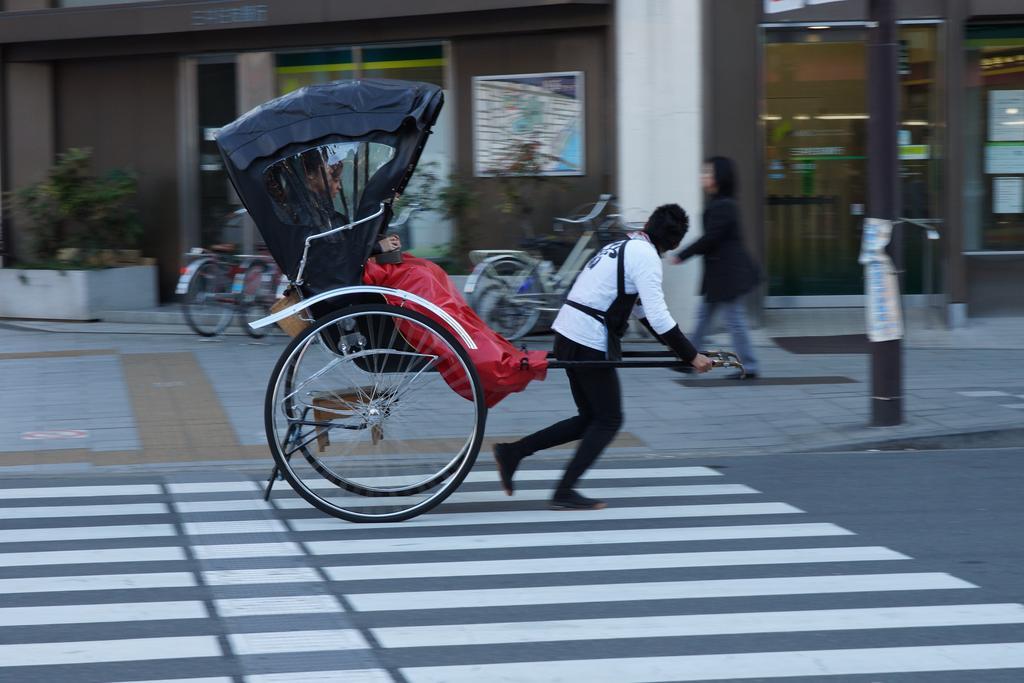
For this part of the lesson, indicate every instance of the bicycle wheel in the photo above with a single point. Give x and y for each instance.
(508, 298)
(374, 414)
(257, 297)
(209, 304)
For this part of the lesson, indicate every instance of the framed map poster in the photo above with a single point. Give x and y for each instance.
(528, 124)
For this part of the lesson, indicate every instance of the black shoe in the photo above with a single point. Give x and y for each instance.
(743, 375)
(507, 462)
(570, 500)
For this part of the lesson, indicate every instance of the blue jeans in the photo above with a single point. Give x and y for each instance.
(736, 321)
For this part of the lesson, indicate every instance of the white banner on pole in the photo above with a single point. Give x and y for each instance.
(881, 288)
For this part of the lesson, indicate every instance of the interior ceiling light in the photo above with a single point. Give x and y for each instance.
(819, 28)
(841, 117)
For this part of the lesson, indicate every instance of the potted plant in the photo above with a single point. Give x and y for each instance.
(83, 251)
(450, 199)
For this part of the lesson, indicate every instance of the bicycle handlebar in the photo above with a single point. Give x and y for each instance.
(602, 202)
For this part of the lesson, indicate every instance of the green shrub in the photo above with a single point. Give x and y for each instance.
(72, 211)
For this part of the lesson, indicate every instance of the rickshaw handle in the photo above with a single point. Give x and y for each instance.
(347, 226)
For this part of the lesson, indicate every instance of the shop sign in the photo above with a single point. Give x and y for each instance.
(246, 14)
(915, 152)
(773, 6)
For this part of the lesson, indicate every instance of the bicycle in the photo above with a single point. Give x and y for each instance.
(511, 289)
(218, 285)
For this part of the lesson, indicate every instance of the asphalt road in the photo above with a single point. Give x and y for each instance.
(866, 567)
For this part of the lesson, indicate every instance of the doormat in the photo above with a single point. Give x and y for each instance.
(837, 343)
(767, 381)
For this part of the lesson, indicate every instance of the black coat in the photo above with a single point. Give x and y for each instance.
(729, 271)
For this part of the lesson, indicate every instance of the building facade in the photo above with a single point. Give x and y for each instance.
(657, 85)
(147, 84)
(799, 133)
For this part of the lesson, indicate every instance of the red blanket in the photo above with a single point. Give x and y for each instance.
(499, 363)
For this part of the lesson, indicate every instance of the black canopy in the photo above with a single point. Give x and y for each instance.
(323, 156)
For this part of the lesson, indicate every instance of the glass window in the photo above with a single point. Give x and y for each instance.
(994, 195)
(423, 63)
(322, 186)
(815, 126)
(298, 69)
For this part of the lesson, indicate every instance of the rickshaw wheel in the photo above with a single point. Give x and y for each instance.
(375, 413)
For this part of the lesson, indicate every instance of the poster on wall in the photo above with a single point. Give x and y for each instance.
(1004, 158)
(1006, 116)
(528, 124)
(1007, 195)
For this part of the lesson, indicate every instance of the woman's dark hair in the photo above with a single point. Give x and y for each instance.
(724, 173)
(666, 227)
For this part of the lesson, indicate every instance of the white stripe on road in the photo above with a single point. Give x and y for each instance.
(296, 604)
(87, 533)
(653, 590)
(83, 510)
(496, 495)
(557, 565)
(96, 614)
(189, 680)
(92, 651)
(568, 538)
(487, 474)
(104, 582)
(245, 526)
(534, 516)
(296, 641)
(230, 505)
(213, 486)
(53, 557)
(698, 625)
(240, 577)
(343, 676)
(81, 491)
(718, 667)
(223, 552)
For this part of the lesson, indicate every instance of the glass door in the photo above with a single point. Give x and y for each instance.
(217, 106)
(815, 124)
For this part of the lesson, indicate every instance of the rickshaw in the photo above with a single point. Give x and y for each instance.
(374, 412)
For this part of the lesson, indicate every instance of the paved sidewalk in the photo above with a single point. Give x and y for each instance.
(80, 395)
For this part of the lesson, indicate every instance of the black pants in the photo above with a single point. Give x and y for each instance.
(598, 399)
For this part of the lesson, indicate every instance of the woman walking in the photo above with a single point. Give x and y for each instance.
(729, 272)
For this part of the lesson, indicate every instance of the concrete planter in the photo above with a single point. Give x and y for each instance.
(75, 294)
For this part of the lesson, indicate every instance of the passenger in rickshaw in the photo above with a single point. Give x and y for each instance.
(616, 282)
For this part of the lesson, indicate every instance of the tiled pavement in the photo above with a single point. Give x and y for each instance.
(74, 396)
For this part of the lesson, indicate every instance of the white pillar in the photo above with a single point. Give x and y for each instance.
(658, 73)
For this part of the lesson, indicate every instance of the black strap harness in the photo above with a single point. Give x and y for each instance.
(616, 318)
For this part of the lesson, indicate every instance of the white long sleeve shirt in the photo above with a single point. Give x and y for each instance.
(597, 286)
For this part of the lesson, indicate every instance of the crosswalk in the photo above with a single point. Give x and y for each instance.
(684, 577)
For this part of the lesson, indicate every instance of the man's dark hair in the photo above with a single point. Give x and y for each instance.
(724, 173)
(666, 226)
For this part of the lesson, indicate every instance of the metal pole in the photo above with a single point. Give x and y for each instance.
(883, 177)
